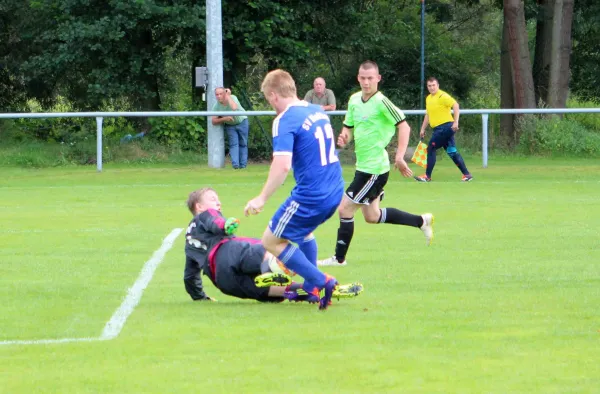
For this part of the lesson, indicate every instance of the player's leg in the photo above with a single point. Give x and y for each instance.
(293, 222)
(457, 158)
(376, 215)
(308, 246)
(435, 142)
(242, 129)
(351, 202)
(234, 149)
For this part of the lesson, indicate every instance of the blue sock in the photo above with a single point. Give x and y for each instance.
(294, 259)
(309, 248)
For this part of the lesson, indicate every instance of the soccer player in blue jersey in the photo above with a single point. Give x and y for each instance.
(303, 139)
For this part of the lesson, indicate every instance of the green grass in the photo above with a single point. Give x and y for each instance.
(504, 301)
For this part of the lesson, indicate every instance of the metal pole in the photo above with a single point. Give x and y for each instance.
(99, 144)
(484, 139)
(422, 52)
(214, 60)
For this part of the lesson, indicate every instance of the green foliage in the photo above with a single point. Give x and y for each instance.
(589, 120)
(553, 135)
(184, 132)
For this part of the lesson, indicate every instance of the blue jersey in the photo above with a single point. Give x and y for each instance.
(304, 132)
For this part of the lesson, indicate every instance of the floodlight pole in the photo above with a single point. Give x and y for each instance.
(422, 53)
(214, 62)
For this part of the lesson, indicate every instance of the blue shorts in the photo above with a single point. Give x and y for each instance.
(294, 220)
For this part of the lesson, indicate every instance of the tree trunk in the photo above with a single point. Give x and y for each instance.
(518, 48)
(543, 49)
(507, 100)
(558, 87)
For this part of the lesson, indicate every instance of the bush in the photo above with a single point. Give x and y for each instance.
(589, 120)
(182, 132)
(551, 134)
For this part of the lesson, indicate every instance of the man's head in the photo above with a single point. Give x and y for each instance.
(203, 199)
(279, 89)
(432, 85)
(368, 77)
(221, 94)
(319, 85)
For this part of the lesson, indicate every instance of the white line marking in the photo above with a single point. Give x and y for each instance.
(134, 295)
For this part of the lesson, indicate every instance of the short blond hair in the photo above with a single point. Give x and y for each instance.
(280, 82)
(196, 196)
(369, 64)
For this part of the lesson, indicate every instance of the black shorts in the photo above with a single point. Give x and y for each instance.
(237, 264)
(366, 187)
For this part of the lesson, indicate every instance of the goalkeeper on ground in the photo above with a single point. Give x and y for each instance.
(237, 266)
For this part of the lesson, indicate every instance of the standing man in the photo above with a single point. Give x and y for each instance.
(444, 126)
(302, 139)
(372, 120)
(320, 95)
(235, 126)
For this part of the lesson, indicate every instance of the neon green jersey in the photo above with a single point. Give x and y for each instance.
(374, 123)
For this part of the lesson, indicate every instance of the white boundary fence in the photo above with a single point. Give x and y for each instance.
(485, 113)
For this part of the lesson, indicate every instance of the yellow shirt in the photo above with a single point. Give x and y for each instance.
(438, 108)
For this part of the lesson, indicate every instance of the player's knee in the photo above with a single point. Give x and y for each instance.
(452, 151)
(371, 217)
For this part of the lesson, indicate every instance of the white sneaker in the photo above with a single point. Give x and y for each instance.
(331, 261)
(427, 227)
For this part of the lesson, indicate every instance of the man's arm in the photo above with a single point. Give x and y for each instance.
(213, 222)
(330, 100)
(345, 137)
(424, 126)
(280, 167)
(221, 119)
(232, 104)
(193, 280)
(456, 109)
(403, 135)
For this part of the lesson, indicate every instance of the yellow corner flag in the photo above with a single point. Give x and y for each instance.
(420, 155)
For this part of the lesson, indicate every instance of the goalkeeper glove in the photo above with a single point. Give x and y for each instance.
(231, 226)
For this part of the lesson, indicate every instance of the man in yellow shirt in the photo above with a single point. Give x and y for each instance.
(438, 104)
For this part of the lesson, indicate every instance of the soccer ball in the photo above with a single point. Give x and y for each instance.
(278, 267)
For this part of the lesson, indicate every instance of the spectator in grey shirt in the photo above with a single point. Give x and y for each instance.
(320, 95)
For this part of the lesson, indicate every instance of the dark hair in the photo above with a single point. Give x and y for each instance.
(432, 79)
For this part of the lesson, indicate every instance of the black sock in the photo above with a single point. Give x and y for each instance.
(396, 216)
(345, 233)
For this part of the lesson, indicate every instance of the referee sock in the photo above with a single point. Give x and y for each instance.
(345, 233)
(294, 259)
(309, 248)
(396, 216)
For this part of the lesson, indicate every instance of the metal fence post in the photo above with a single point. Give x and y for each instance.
(99, 143)
(484, 139)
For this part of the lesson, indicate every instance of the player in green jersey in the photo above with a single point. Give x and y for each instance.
(371, 120)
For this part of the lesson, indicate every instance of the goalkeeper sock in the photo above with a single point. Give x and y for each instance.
(345, 233)
(396, 216)
(309, 248)
(294, 259)
(293, 286)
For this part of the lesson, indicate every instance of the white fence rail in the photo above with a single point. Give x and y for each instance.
(485, 113)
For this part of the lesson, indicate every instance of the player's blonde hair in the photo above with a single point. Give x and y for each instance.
(280, 82)
(196, 196)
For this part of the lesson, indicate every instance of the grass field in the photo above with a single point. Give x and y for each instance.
(506, 300)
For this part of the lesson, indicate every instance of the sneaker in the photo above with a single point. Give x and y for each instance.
(331, 261)
(422, 178)
(427, 227)
(327, 292)
(467, 178)
(348, 291)
(272, 279)
(301, 296)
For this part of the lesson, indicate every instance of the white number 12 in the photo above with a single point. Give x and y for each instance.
(321, 137)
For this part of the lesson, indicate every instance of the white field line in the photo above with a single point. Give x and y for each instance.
(132, 299)
(170, 185)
